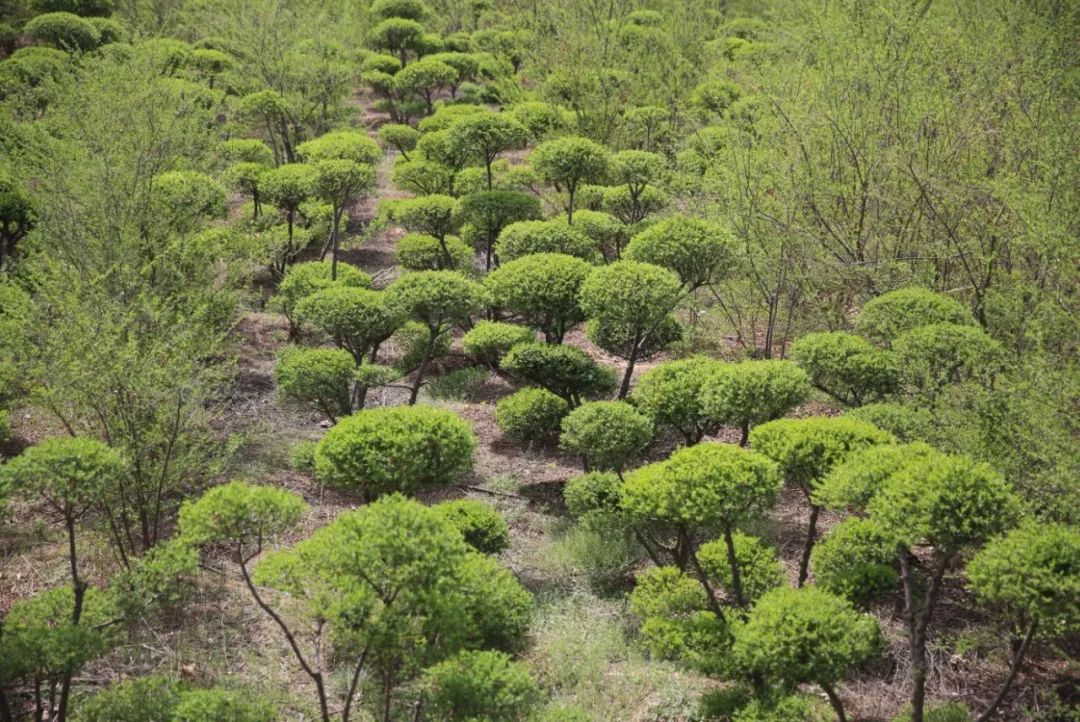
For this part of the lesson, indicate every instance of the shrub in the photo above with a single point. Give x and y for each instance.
(458, 385)
(214, 705)
(607, 434)
(377, 451)
(851, 484)
(530, 414)
(672, 394)
(939, 354)
(481, 685)
(395, 135)
(351, 145)
(759, 567)
(567, 372)
(489, 212)
(357, 319)
(568, 162)
(65, 31)
(524, 238)
(412, 341)
(904, 422)
(140, 699)
(421, 252)
(317, 377)
(607, 232)
(892, 314)
(946, 712)
(596, 491)
(674, 624)
(410, 9)
(488, 341)
(698, 251)
(304, 279)
(856, 560)
(849, 368)
(240, 513)
(542, 289)
(484, 529)
(753, 392)
(302, 456)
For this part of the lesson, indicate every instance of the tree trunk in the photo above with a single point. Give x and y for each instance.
(834, 700)
(625, 388)
(432, 335)
(334, 241)
(736, 574)
(1014, 669)
(808, 546)
(744, 439)
(79, 592)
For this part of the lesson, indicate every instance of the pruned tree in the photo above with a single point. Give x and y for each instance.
(569, 161)
(542, 290)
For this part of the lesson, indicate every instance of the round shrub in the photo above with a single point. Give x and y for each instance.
(357, 319)
(752, 392)
(530, 414)
(672, 394)
(851, 484)
(140, 699)
(541, 289)
(760, 568)
(527, 237)
(395, 135)
(488, 341)
(849, 368)
(304, 279)
(421, 252)
(891, 314)
(65, 31)
(409, 9)
(945, 353)
(215, 705)
(481, 685)
(351, 145)
(406, 448)
(855, 560)
(607, 434)
(607, 232)
(904, 422)
(698, 251)
(597, 491)
(567, 372)
(484, 528)
(318, 377)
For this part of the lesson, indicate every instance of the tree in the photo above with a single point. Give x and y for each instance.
(411, 9)
(481, 686)
(568, 162)
(892, 314)
(524, 238)
(849, 368)
(491, 211)
(425, 78)
(488, 341)
(317, 377)
(672, 394)
(484, 135)
(287, 187)
(633, 300)
(421, 252)
(435, 215)
(807, 450)
(1031, 574)
(565, 371)
(399, 136)
(247, 178)
(636, 170)
(934, 356)
(852, 483)
(357, 319)
(17, 217)
(395, 449)
(607, 232)
(795, 636)
(483, 528)
(304, 279)
(530, 414)
(339, 182)
(606, 434)
(856, 560)
(702, 487)
(352, 145)
(752, 392)
(542, 290)
(700, 252)
(65, 31)
(439, 300)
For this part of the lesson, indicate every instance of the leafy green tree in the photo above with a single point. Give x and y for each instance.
(138, 699)
(633, 299)
(539, 119)
(399, 136)
(491, 211)
(636, 170)
(411, 9)
(317, 377)
(759, 568)
(752, 392)
(17, 217)
(542, 290)
(892, 314)
(484, 136)
(852, 483)
(353, 145)
(524, 238)
(434, 215)
(421, 252)
(398, 36)
(357, 319)
(807, 450)
(856, 560)
(246, 178)
(797, 636)
(607, 232)
(606, 434)
(422, 176)
(185, 198)
(425, 78)
(488, 341)
(390, 449)
(276, 115)
(530, 414)
(438, 299)
(906, 423)
(484, 528)
(481, 686)
(565, 371)
(935, 356)
(849, 368)
(304, 279)
(287, 187)
(65, 31)
(339, 183)
(672, 394)
(569, 161)
(700, 252)
(698, 488)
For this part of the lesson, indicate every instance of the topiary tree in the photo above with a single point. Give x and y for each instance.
(185, 198)
(524, 238)
(934, 356)
(399, 136)
(759, 568)
(856, 560)
(807, 450)
(317, 377)
(702, 487)
(631, 301)
(893, 314)
(906, 423)
(434, 215)
(425, 78)
(488, 341)
(849, 368)
(304, 279)
(636, 170)
(381, 450)
(851, 484)
(672, 394)
(606, 434)
(484, 528)
(752, 392)
(287, 187)
(1033, 575)
(421, 252)
(542, 290)
(397, 36)
(411, 9)
(484, 136)
(475, 686)
(439, 300)
(567, 372)
(569, 161)
(65, 31)
(357, 319)
(340, 182)
(607, 232)
(247, 178)
(352, 145)
(799, 636)
(700, 252)
(489, 212)
(530, 414)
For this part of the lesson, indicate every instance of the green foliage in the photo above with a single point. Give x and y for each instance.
(481, 686)
(849, 368)
(698, 251)
(64, 31)
(484, 528)
(594, 492)
(753, 392)
(289, 185)
(459, 385)
(569, 161)
(399, 136)
(490, 211)
(946, 712)
(211, 705)
(759, 567)
(70, 473)
(356, 318)
(437, 299)
(246, 150)
(305, 279)
(407, 449)
(567, 372)
(240, 513)
(933, 356)
(488, 341)
(523, 238)
(892, 314)
(856, 560)
(185, 197)
(608, 434)
(482, 136)
(783, 708)
(530, 414)
(421, 252)
(672, 394)
(412, 341)
(425, 78)
(351, 145)
(542, 290)
(906, 423)
(852, 483)
(607, 232)
(411, 9)
(139, 699)
(317, 377)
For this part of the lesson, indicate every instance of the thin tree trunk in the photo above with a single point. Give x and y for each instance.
(808, 545)
(5, 708)
(79, 591)
(624, 389)
(333, 260)
(834, 700)
(423, 367)
(714, 603)
(736, 574)
(1014, 669)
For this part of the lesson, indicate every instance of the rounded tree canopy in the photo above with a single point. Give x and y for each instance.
(847, 367)
(485, 135)
(397, 34)
(852, 483)
(411, 9)
(481, 685)
(246, 150)
(698, 251)
(636, 168)
(891, 314)
(435, 215)
(906, 423)
(488, 341)
(352, 145)
(319, 377)
(304, 279)
(607, 232)
(672, 394)
(531, 414)
(566, 371)
(65, 31)
(421, 252)
(943, 353)
(856, 560)
(630, 294)
(483, 528)
(701, 485)
(240, 513)
(289, 185)
(425, 76)
(438, 299)
(491, 211)
(354, 317)
(753, 391)
(760, 569)
(71, 472)
(187, 195)
(542, 289)
(524, 238)
(607, 433)
(402, 448)
(539, 119)
(399, 136)
(570, 160)
(596, 491)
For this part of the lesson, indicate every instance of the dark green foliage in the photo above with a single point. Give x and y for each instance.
(317, 377)
(411, 9)
(483, 527)
(398, 136)
(64, 31)
(530, 414)
(140, 699)
(849, 368)
(931, 357)
(856, 560)
(488, 341)
(567, 372)
(892, 314)
(672, 395)
(481, 686)
(606, 434)
(568, 162)
(542, 290)
(906, 423)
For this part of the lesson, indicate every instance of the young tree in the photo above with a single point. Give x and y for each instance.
(530, 414)
(481, 525)
(567, 162)
(849, 368)
(400, 137)
(65, 31)
(607, 232)
(892, 314)
(700, 252)
(317, 377)
(542, 290)
(752, 392)
(438, 299)
(488, 341)
(421, 252)
(395, 449)
(287, 187)
(434, 215)
(565, 371)
(632, 300)
(340, 182)
(935, 356)
(672, 394)
(796, 636)
(807, 450)
(484, 135)
(606, 434)
(856, 560)
(398, 35)
(425, 78)
(305, 279)
(636, 170)
(524, 238)
(352, 145)
(357, 319)
(491, 211)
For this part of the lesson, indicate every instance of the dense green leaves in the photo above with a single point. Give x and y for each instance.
(607, 434)
(530, 414)
(542, 290)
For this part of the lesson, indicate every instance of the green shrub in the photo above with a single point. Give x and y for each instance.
(215, 705)
(481, 686)
(411, 340)
(141, 699)
(892, 314)
(698, 251)
(608, 233)
(906, 423)
(856, 560)
(302, 456)
(851, 484)
(421, 252)
(596, 491)
(784, 708)
(377, 451)
(530, 414)
(753, 392)
(849, 368)
(672, 394)
(759, 567)
(357, 319)
(354, 145)
(524, 238)
(607, 434)
(488, 341)
(317, 377)
(567, 372)
(395, 135)
(570, 161)
(64, 31)
(239, 512)
(304, 279)
(484, 528)
(933, 356)
(542, 290)
(410, 9)
(459, 385)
